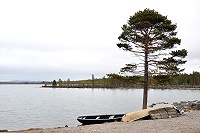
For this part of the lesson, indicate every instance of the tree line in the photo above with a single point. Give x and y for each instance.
(113, 80)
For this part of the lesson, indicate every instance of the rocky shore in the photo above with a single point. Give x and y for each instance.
(188, 105)
(189, 122)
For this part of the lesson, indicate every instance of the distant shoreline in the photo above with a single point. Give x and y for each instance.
(4, 83)
(181, 87)
(139, 87)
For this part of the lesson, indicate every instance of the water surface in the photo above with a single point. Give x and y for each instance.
(30, 106)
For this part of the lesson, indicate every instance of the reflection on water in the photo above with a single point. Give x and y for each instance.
(27, 106)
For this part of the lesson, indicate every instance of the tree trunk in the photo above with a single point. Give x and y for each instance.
(145, 94)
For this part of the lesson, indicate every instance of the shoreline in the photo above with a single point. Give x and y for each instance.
(187, 123)
(190, 118)
(156, 88)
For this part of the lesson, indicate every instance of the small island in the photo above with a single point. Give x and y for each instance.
(181, 81)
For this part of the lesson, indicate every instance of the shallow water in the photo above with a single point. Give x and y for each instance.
(30, 106)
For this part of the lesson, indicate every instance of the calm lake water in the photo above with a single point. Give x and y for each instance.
(30, 106)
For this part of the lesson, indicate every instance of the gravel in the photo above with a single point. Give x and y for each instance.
(187, 123)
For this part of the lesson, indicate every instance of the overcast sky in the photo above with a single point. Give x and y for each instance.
(61, 39)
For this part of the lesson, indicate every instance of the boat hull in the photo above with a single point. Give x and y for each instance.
(99, 119)
(158, 112)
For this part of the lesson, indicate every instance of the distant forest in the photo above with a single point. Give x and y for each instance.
(118, 81)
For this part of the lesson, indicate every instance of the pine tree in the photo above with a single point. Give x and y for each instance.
(151, 37)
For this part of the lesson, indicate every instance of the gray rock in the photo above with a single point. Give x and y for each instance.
(197, 106)
(188, 105)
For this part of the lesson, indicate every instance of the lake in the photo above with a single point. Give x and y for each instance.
(30, 106)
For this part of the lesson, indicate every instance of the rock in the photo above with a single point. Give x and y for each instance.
(188, 105)
(32, 129)
(197, 106)
(197, 102)
(3, 130)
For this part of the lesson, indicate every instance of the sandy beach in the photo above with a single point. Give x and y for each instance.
(187, 123)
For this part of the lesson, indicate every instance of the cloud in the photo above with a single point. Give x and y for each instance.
(47, 39)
